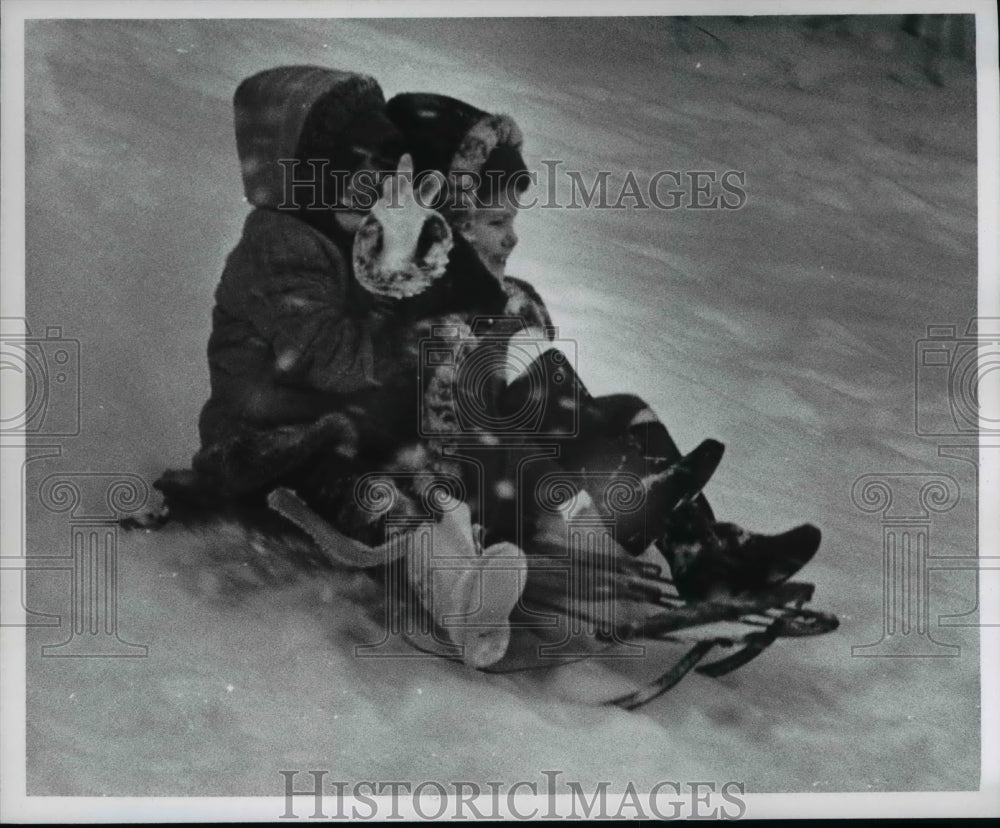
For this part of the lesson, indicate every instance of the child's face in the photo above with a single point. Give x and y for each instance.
(490, 231)
(348, 218)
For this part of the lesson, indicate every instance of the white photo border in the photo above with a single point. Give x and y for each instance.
(15, 806)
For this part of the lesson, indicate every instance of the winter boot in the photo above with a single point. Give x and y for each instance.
(712, 560)
(640, 517)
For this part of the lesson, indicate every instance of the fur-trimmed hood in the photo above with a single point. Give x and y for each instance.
(455, 138)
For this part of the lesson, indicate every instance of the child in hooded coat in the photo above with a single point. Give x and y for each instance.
(608, 439)
(313, 375)
(309, 380)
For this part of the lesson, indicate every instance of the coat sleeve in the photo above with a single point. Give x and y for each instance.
(300, 302)
(525, 304)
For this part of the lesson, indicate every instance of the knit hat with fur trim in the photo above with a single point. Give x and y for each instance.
(456, 138)
(272, 109)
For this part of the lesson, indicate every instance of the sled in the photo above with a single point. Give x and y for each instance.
(594, 604)
(752, 624)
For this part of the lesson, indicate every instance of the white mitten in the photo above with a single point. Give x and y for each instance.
(402, 246)
(469, 591)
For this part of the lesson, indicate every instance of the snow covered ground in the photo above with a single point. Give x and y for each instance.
(786, 329)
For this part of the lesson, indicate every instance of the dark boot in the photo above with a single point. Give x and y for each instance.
(613, 441)
(639, 506)
(710, 559)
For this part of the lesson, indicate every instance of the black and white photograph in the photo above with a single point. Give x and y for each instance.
(499, 410)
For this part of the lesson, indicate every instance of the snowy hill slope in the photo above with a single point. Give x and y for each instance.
(786, 329)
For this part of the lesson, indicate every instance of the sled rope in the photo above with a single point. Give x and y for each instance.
(338, 548)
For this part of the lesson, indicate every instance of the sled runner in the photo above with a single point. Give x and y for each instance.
(578, 604)
(653, 611)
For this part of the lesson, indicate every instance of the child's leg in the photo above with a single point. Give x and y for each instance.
(632, 436)
(619, 436)
(603, 441)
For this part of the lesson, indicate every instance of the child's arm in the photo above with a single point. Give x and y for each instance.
(524, 301)
(300, 300)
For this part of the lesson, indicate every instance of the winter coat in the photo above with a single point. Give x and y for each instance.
(308, 370)
(290, 330)
(314, 381)
(292, 334)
